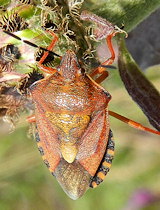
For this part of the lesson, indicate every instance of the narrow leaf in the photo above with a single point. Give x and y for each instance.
(139, 87)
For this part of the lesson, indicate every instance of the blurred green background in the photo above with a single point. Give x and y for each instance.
(25, 182)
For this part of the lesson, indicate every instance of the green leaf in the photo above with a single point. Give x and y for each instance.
(139, 87)
(127, 12)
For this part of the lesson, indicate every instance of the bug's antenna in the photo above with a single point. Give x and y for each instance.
(30, 43)
(108, 66)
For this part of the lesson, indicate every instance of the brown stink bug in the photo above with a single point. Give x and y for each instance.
(71, 116)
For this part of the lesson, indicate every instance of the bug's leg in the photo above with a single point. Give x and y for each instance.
(101, 69)
(132, 123)
(105, 164)
(31, 119)
(47, 69)
(110, 60)
(102, 77)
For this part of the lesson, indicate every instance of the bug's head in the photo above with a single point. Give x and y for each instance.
(69, 67)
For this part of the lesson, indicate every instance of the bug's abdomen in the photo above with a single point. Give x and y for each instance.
(105, 164)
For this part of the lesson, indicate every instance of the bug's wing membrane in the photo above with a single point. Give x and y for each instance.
(73, 178)
(94, 142)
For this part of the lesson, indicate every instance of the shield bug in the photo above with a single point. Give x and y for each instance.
(73, 131)
(71, 116)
